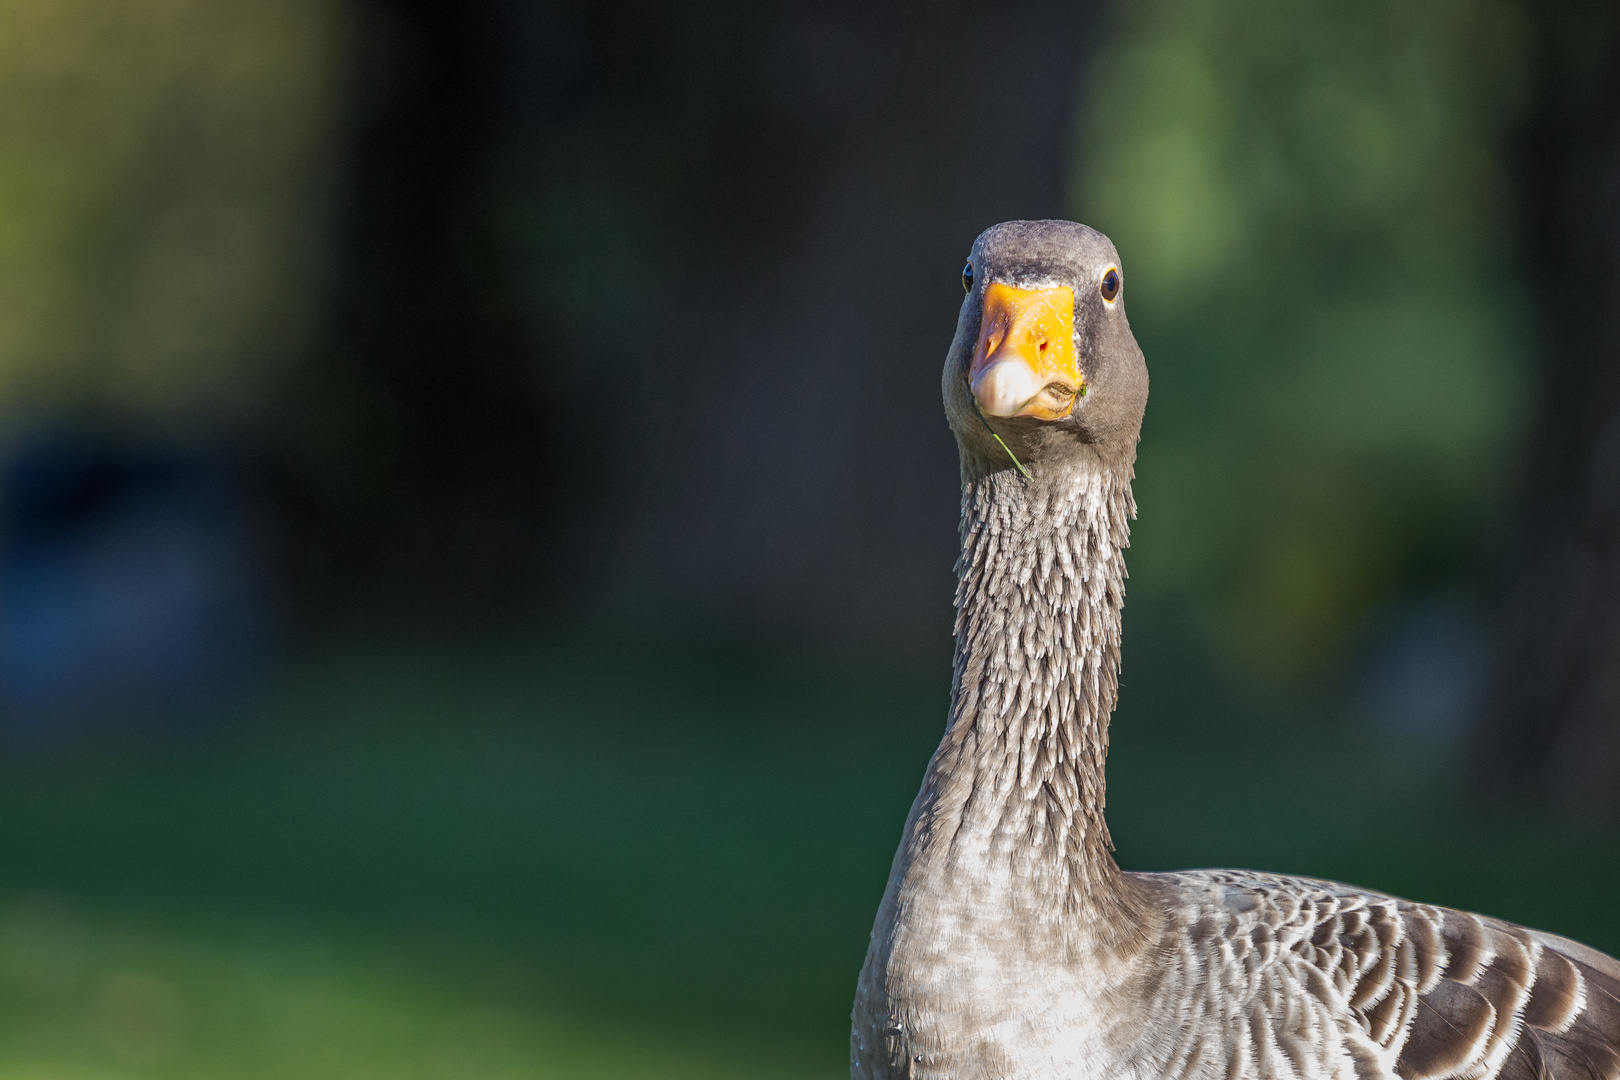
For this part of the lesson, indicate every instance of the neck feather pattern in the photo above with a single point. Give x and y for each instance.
(1040, 589)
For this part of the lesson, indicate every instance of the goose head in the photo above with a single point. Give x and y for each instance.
(1044, 367)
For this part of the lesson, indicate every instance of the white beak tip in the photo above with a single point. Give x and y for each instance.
(1005, 387)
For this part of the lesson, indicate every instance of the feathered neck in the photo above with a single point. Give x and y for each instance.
(1038, 602)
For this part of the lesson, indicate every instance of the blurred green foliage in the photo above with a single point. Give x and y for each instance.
(1318, 227)
(165, 199)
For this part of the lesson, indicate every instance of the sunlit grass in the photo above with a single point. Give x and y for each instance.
(542, 864)
(526, 866)
(83, 997)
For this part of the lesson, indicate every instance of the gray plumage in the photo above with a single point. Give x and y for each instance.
(1009, 944)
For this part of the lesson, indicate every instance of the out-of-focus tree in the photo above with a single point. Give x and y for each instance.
(626, 309)
(1556, 714)
(648, 301)
(1315, 210)
(166, 199)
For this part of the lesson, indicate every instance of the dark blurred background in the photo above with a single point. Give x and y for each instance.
(476, 518)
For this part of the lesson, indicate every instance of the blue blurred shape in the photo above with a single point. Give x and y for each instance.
(129, 576)
(1426, 671)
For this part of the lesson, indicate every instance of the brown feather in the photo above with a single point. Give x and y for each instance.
(1557, 995)
(1452, 1023)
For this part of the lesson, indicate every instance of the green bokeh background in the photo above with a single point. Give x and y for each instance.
(537, 854)
(1316, 210)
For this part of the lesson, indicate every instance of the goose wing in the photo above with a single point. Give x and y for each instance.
(1302, 978)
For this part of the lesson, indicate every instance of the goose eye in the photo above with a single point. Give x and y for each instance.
(967, 278)
(1110, 285)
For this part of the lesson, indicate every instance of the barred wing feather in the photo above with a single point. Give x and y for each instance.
(1294, 978)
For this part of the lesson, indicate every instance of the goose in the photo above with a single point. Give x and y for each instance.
(1009, 945)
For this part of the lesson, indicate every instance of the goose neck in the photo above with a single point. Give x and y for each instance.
(1039, 598)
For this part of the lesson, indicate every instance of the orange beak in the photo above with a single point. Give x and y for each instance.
(1024, 363)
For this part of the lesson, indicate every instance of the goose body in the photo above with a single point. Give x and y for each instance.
(1009, 945)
